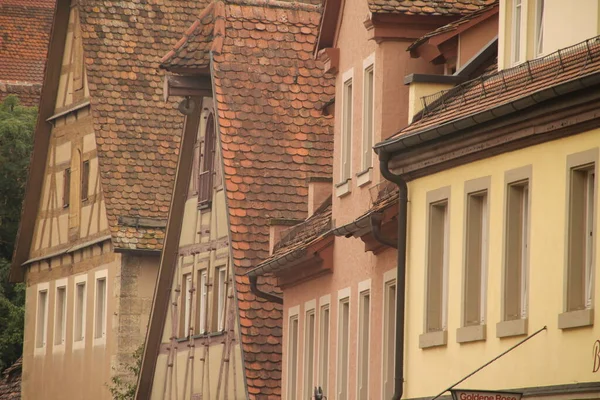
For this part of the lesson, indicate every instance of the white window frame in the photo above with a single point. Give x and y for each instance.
(364, 289)
(368, 138)
(309, 380)
(346, 132)
(102, 274)
(323, 358)
(344, 296)
(516, 35)
(389, 279)
(187, 298)
(60, 346)
(293, 314)
(79, 280)
(41, 287)
(221, 297)
(538, 45)
(202, 301)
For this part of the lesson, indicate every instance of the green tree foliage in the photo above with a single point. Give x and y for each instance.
(16, 140)
(122, 387)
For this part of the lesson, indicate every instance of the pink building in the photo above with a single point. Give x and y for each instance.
(340, 294)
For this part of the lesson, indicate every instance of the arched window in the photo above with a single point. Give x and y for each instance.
(205, 177)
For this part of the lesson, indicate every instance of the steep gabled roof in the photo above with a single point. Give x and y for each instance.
(24, 34)
(498, 93)
(425, 7)
(137, 133)
(268, 90)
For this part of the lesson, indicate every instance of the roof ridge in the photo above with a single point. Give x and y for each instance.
(289, 5)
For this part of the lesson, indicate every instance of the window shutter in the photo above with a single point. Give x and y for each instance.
(66, 187)
(205, 177)
(85, 179)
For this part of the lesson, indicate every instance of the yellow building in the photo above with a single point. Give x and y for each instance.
(498, 180)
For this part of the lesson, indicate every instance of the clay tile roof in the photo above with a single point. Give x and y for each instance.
(495, 89)
(137, 132)
(268, 90)
(303, 235)
(452, 26)
(24, 35)
(426, 7)
(10, 381)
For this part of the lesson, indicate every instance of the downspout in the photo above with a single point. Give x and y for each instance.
(263, 295)
(384, 158)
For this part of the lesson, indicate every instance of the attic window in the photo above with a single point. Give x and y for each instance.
(205, 177)
(85, 180)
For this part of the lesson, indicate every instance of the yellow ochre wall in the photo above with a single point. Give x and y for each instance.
(555, 356)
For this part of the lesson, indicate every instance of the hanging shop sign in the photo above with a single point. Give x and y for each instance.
(460, 394)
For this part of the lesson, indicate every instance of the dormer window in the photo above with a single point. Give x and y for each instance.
(516, 31)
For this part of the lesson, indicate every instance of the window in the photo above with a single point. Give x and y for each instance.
(475, 256)
(292, 357)
(389, 337)
(516, 36)
(309, 352)
(364, 318)
(539, 27)
(186, 305)
(437, 260)
(193, 188)
(368, 104)
(347, 131)
(85, 179)
(79, 317)
(202, 301)
(205, 177)
(581, 238)
(342, 351)
(100, 307)
(60, 314)
(516, 251)
(221, 297)
(42, 316)
(66, 187)
(324, 348)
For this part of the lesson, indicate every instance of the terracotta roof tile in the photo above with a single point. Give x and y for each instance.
(24, 35)
(452, 26)
(426, 7)
(268, 89)
(28, 93)
(10, 381)
(137, 133)
(495, 89)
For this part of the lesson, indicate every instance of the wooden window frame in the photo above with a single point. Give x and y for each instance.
(293, 339)
(343, 340)
(517, 199)
(186, 303)
(79, 311)
(221, 298)
(41, 328)
(324, 340)
(66, 187)
(308, 359)
(388, 335)
(206, 175)
(100, 322)
(85, 180)
(60, 314)
(202, 301)
(475, 260)
(432, 337)
(364, 340)
(573, 316)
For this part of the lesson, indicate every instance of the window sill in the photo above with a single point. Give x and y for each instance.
(515, 327)
(343, 188)
(433, 339)
(364, 177)
(469, 334)
(576, 319)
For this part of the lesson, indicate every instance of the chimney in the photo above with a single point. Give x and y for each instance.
(423, 85)
(277, 228)
(319, 189)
